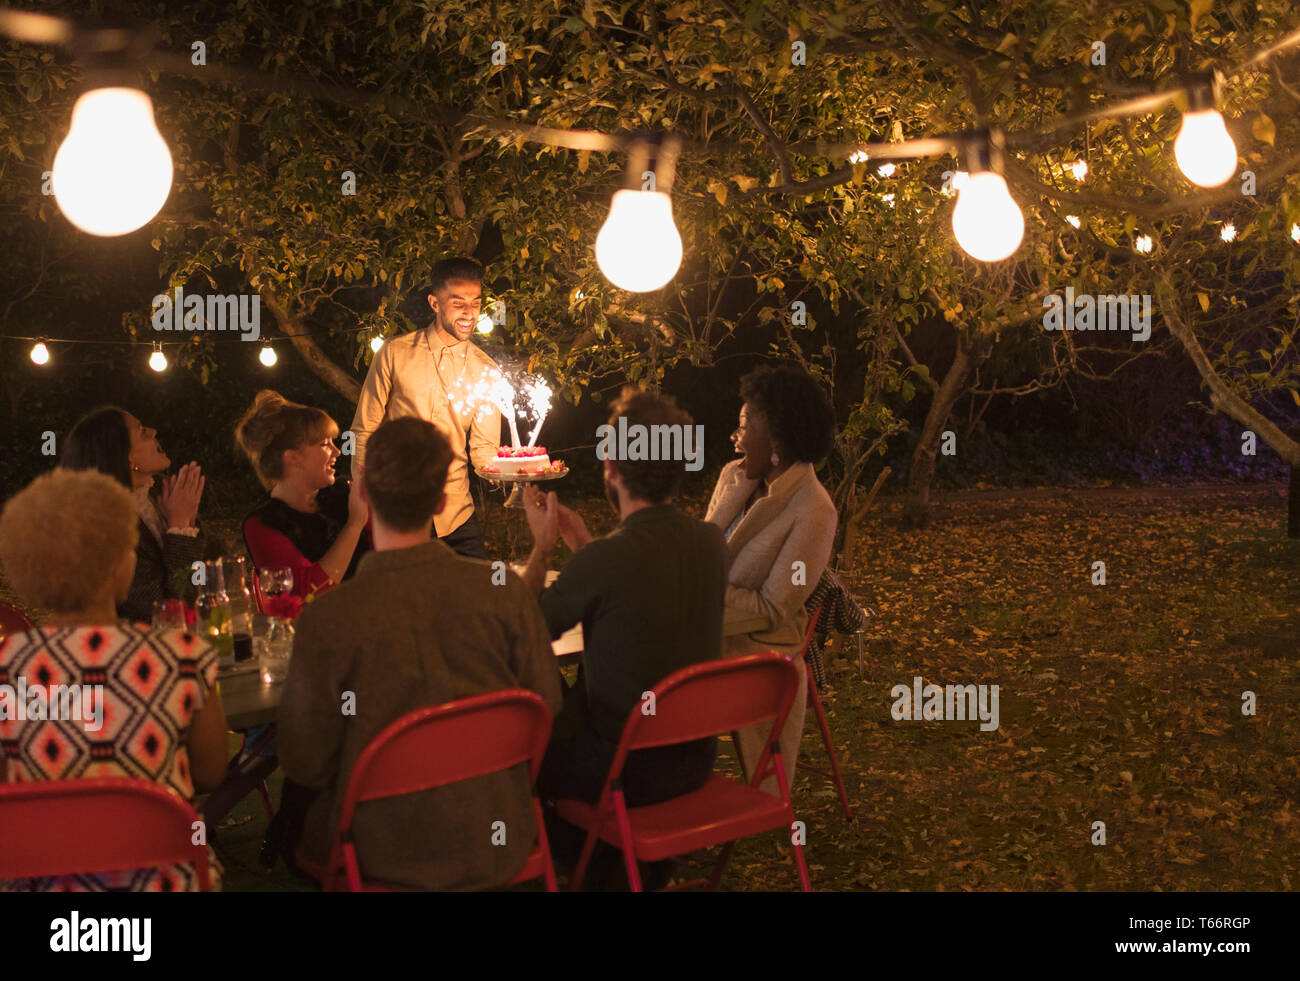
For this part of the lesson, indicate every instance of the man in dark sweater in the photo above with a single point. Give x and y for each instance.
(649, 597)
(416, 626)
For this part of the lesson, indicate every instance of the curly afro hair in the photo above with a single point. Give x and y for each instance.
(798, 413)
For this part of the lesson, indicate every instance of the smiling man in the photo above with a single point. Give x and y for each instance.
(428, 374)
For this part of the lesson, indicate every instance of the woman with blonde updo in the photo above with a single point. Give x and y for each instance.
(312, 522)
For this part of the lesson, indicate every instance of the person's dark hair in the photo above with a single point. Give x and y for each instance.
(272, 425)
(406, 469)
(457, 267)
(649, 480)
(799, 416)
(100, 440)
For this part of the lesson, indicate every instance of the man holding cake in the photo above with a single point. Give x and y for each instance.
(430, 374)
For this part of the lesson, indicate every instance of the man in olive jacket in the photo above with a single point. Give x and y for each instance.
(418, 625)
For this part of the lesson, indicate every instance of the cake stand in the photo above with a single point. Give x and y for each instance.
(516, 498)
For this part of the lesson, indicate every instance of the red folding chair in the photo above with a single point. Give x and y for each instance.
(696, 702)
(13, 620)
(815, 700)
(436, 746)
(105, 824)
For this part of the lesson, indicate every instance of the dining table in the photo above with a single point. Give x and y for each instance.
(249, 701)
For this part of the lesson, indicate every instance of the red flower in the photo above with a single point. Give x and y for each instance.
(285, 605)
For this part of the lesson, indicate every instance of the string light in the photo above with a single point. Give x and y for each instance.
(1073, 220)
(1204, 150)
(1295, 233)
(484, 324)
(1079, 169)
(1143, 244)
(40, 354)
(888, 199)
(376, 343)
(987, 222)
(858, 157)
(158, 360)
(638, 248)
(113, 171)
(886, 169)
(267, 355)
(1228, 232)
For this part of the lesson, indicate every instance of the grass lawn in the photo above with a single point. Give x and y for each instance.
(1119, 703)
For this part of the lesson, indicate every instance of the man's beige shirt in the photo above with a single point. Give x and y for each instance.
(418, 374)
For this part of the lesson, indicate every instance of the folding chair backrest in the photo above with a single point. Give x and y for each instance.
(713, 697)
(443, 744)
(106, 824)
(13, 620)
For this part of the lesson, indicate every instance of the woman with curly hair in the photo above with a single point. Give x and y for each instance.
(779, 523)
(116, 443)
(68, 546)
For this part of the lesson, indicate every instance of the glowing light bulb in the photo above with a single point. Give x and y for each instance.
(113, 172)
(858, 156)
(1295, 233)
(1228, 232)
(1079, 169)
(986, 220)
(158, 360)
(1073, 220)
(376, 343)
(638, 248)
(267, 355)
(888, 199)
(886, 170)
(1204, 150)
(484, 324)
(579, 295)
(40, 353)
(1143, 244)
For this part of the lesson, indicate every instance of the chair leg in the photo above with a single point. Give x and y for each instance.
(629, 850)
(721, 866)
(815, 697)
(584, 858)
(544, 845)
(804, 883)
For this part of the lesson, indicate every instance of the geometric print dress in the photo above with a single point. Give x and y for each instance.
(153, 683)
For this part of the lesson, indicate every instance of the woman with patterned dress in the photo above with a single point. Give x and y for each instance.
(67, 545)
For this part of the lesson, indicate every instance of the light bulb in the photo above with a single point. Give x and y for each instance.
(113, 172)
(1079, 169)
(376, 343)
(638, 248)
(986, 220)
(1204, 150)
(40, 353)
(1295, 233)
(484, 324)
(886, 170)
(267, 355)
(1228, 232)
(1073, 220)
(158, 360)
(1143, 244)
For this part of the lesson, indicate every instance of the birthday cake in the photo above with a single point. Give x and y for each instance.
(512, 461)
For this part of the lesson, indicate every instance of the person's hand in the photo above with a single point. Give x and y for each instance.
(179, 498)
(572, 528)
(358, 509)
(542, 512)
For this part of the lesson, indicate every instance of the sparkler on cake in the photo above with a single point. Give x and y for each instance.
(516, 460)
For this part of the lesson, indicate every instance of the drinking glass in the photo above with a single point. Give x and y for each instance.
(274, 648)
(275, 579)
(169, 614)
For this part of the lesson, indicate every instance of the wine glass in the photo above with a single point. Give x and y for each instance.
(276, 580)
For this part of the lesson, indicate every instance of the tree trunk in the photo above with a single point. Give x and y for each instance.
(1293, 505)
(916, 499)
(292, 327)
